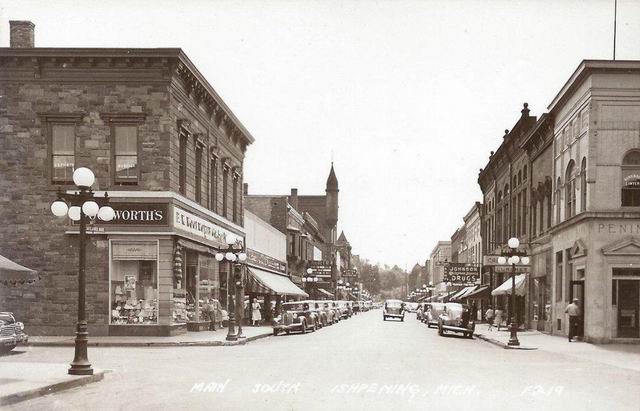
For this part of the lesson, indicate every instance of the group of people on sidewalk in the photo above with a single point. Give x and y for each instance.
(216, 315)
(573, 310)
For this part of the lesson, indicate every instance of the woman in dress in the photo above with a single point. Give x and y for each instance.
(498, 317)
(255, 312)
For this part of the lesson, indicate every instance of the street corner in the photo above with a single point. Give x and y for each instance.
(22, 381)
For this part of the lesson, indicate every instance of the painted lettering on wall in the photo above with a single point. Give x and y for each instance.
(204, 229)
(619, 228)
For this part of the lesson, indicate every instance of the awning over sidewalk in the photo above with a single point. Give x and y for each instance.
(264, 282)
(14, 273)
(445, 296)
(505, 288)
(481, 293)
(325, 292)
(460, 294)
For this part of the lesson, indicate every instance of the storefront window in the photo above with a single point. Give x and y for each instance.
(134, 282)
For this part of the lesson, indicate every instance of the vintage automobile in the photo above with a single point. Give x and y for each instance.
(296, 316)
(355, 306)
(411, 307)
(431, 313)
(336, 310)
(325, 313)
(456, 318)
(345, 309)
(367, 305)
(393, 309)
(419, 311)
(11, 332)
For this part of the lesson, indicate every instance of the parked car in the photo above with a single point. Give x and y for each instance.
(345, 310)
(456, 318)
(296, 316)
(328, 311)
(431, 313)
(356, 307)
(393, 309)
(367, 305)
(336, 310)
(11, 332)
(411, 307)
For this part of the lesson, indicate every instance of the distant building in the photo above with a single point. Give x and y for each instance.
(440, 254)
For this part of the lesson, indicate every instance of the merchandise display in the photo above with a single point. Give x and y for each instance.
(134, 292)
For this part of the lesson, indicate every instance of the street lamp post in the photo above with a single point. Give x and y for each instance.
(79, 206)
(512, 256)
(232, 254)
(311, 279)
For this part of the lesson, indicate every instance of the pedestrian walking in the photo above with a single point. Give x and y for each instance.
(573, 310)
(210, 311)
(488, 315)
(255, 312)
(498, 317)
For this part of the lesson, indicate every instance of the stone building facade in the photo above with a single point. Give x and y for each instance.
(163, 144)
(505, 188)
(596, 203)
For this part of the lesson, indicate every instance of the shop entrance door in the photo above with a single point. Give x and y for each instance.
(577, 291)
(628, 305)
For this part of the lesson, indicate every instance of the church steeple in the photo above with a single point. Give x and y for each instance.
(332, 198)
(332, 181)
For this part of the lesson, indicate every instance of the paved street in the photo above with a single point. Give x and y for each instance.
(362, 363)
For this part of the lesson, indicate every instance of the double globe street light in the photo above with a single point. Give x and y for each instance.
(311, 279)
(513, 257)
(233, 256)
(80, 206)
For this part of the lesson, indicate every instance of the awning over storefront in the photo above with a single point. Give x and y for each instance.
(481, 293)
(457, 296)
(353, 297)
(505, 288)
(264, 282)
(445, 296)
(325, 292)
(14, 273)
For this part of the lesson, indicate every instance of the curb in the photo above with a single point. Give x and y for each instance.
(71, 343)
(50, 389)
(503, 345)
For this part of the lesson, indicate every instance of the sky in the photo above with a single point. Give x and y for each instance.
(406, 97)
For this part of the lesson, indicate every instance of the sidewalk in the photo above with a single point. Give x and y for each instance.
(619, 355)
(190, 339)
(21, 381)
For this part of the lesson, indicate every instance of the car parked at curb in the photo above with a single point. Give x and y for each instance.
(11, 332)
(329, 312)
(411, 307)
(456, 318)
(393, 309)
(345, 309)
(296, 316)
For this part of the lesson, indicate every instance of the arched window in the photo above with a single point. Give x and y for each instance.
(583, 185)
(524, 173)
(570, 191)
(631, 179)
(519, 176)
(557, 200)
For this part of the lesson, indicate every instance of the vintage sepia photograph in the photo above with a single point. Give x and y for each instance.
(300, 205)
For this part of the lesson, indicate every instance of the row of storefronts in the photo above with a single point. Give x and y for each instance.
(565, 185)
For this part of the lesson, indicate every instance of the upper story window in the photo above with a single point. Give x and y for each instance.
(583, 185)
(631, 179)
(570, 191)
(557, 199)
(213, 184)
(225, 189)
(63, 152)
(125, 154)
(182, 148)
(234, 195)
(524, 173)
(199, 148)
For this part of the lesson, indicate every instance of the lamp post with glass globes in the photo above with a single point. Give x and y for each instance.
(512, 256)
(310, 279)
(231, 255)
(80, 206)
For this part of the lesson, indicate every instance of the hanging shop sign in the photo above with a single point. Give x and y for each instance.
(263, 260)
(459, 274)
(321, 268)
(204, 229)
(135, 214)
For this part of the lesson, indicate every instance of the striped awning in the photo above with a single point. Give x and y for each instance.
(481, 293)
(505, 288)
(264, 282)
(325, 292)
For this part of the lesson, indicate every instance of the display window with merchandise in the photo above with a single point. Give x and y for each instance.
(133, 279)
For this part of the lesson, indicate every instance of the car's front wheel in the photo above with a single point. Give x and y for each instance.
(384, 317)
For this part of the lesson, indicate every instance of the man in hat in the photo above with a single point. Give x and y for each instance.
(573, 310)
